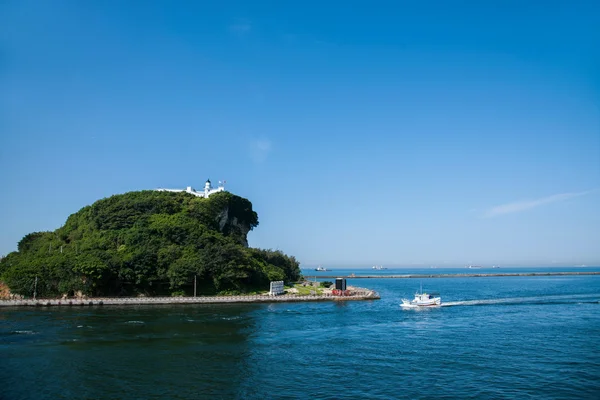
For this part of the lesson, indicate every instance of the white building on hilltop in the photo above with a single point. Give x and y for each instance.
(208, 189)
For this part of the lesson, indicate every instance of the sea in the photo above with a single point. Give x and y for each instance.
(527, 337)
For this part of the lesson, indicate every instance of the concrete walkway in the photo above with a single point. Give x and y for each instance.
(363, 295)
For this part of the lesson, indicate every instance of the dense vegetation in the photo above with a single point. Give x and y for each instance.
(148, 242)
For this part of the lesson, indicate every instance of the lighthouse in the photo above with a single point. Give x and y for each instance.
(208, 189)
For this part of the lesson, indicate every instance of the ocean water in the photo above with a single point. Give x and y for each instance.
(436, 270)
(494, 338)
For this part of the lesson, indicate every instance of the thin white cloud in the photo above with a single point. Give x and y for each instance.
(260, 149)
(523, 205)
(241, 27)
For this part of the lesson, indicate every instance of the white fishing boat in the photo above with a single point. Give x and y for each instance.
(319, 268)
(422, 300)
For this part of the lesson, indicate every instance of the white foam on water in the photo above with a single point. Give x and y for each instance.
(576, 299)
(135, 322)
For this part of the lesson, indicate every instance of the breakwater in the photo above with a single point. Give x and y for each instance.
(412, 276)
(124, 301)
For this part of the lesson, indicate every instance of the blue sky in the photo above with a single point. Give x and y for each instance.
(396, 133)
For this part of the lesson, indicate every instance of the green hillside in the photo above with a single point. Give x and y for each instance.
(151, 243)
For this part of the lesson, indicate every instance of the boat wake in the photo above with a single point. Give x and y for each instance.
(556, 299)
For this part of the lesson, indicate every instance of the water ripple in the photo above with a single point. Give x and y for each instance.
(512, 338)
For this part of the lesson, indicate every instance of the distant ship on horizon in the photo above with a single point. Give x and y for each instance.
(379, 267)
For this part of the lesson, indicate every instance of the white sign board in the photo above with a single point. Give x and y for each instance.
(276, 288)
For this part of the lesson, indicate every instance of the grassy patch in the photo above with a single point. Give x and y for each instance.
(306, 290)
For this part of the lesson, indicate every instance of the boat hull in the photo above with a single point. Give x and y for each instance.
(418, 303)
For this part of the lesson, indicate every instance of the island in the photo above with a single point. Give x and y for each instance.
(148, 243)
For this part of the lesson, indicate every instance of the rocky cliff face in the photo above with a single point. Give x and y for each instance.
(232, 226)
(5, 293)
(234, 216)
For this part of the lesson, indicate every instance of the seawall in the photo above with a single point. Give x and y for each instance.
(124, 301)
(412, 276)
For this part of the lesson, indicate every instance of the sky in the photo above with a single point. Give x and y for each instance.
(395, 133)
